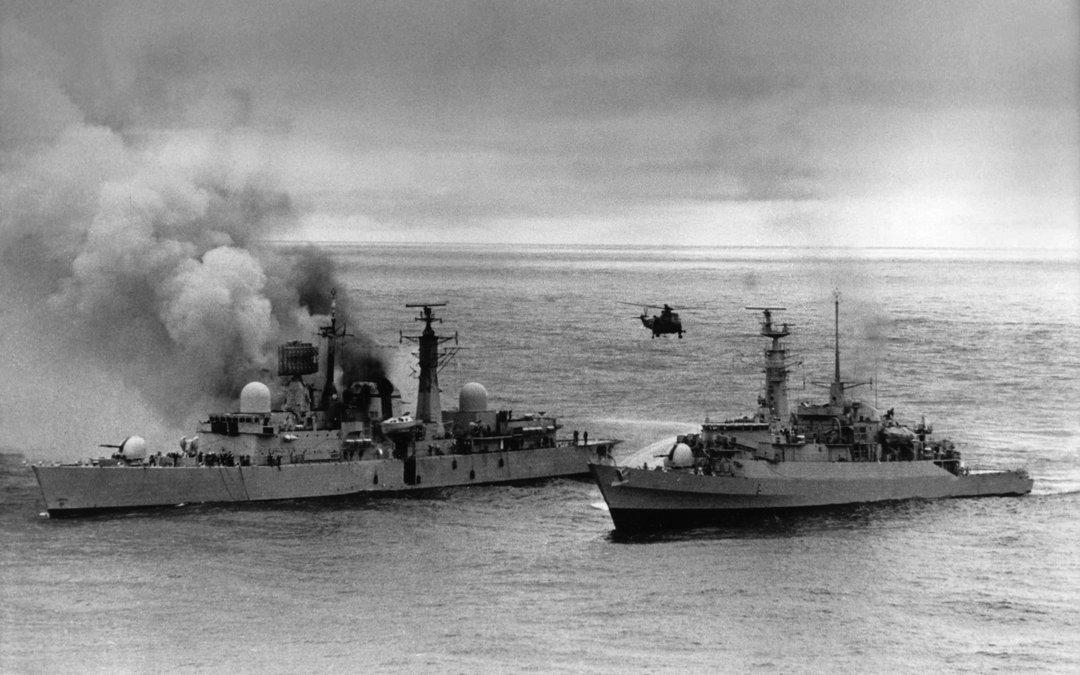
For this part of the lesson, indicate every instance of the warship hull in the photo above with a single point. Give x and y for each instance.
(73, 490)
(643, 499)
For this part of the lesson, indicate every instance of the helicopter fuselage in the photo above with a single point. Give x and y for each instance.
(663, 324)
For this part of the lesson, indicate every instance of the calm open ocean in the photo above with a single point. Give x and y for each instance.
(531, 579)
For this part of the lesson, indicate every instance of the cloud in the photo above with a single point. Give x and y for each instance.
(464, 116)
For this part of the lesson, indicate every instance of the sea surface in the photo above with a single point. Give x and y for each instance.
(532, 578)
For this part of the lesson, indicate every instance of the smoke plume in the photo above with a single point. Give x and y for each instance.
(135, 288)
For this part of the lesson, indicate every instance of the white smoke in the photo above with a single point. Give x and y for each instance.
(133, 284)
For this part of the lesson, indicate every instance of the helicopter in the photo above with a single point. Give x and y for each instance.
(664, 323)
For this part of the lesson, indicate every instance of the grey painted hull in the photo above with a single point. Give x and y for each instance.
(652, 499)
(76, 490)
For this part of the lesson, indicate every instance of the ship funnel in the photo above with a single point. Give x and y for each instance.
(386, 397)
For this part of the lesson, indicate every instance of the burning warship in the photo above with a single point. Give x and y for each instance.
(318, 442)
(842, 451)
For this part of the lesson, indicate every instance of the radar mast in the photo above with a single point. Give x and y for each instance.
(428, 403)
(331, 334)
(776, 370)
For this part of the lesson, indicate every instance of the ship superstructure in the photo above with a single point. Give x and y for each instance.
(840, 451)
(316, 441)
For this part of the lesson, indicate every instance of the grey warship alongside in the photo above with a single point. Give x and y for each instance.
(358, 442)
(835, 453)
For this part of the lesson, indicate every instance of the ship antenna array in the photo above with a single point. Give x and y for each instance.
(766, 325)
(331, 334)
(331, 331)
(428, 317)
(836, 346)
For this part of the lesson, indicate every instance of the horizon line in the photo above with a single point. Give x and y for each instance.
(666, 246)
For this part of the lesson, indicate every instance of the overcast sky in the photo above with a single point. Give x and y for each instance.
(695, 123)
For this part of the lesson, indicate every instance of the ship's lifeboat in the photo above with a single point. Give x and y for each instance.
(395, 425)
(898, 435)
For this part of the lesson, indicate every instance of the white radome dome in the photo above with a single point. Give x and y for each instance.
(133, 447)
(473, 398)
(682, 456)
(255, 398)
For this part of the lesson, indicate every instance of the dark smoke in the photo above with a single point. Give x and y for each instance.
(316, 277)
(361, 364)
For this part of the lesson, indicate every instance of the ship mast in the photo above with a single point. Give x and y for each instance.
(428, 404)
(836, 328)
(331, 334)
(838, 386)
(836, 389)
(776, 370)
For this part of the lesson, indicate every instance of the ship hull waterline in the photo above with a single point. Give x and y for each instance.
(76, 490)
(645, 499)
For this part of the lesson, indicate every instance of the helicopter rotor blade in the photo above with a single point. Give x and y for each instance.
(648, 306)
